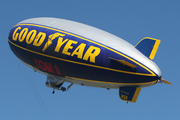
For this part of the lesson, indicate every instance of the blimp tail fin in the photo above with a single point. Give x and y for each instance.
(148, 46)
(129, 94)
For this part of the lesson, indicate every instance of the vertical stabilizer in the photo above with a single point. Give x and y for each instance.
(148, 46)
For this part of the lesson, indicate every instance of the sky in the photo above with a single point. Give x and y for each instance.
(24, 96)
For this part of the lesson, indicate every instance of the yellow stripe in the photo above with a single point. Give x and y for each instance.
(155, 48)
(136, 94)
(94, 43)
(90, 65)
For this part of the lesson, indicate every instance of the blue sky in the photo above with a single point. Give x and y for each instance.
(128, 19)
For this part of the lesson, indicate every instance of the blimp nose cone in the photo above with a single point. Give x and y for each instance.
(157, 71)
(154, 68)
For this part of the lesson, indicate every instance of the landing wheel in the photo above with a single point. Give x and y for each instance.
(53, 92)
(63, 89)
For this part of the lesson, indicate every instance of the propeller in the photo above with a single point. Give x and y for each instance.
(163, 81)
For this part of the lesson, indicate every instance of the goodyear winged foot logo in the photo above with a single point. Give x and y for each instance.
(50, 39)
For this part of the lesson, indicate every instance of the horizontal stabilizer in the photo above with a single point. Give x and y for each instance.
(129, 94)
(148, 46)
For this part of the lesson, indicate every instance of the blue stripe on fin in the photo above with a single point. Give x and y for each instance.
(148, 46)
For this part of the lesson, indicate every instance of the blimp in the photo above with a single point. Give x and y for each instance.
(69, 51)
